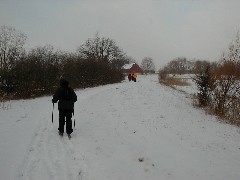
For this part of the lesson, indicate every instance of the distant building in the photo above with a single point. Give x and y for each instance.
(132, 68)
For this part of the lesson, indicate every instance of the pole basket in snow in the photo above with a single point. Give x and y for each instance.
(73, 118)
(52, 112)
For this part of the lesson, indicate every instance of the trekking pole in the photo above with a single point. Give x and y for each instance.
(52, 112)
(73, 119)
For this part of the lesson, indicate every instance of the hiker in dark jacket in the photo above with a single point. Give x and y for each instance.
(66, 98)
(129, 77)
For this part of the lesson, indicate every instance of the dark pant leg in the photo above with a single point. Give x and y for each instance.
(61, 121)
(69, 129)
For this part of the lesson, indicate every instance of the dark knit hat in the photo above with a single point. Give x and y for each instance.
(64, 83)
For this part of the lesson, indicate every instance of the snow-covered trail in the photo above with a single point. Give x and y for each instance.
(128, 131)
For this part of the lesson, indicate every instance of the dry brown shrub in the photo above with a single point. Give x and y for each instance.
(227, 69)
(170, 81)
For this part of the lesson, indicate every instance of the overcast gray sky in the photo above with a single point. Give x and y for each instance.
(161, 29)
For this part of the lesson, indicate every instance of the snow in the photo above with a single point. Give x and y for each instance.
(126, 131)
(128, 66)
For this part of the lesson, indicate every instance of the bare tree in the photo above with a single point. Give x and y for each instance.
(11, 46)
(101, 49)
(234, 51)
(130, 59)
(179, 65)
(148, 65)
(11, 49)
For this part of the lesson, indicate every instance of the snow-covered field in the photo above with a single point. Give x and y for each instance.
(125, 131)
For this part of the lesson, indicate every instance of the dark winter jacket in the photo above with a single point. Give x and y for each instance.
(65, 96)
(129, 77)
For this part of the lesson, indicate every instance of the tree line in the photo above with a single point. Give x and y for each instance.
(182, 65)
(218, 82)
(36, 72)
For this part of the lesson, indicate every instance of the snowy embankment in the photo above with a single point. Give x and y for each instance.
(191, 89)
(128, 131)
